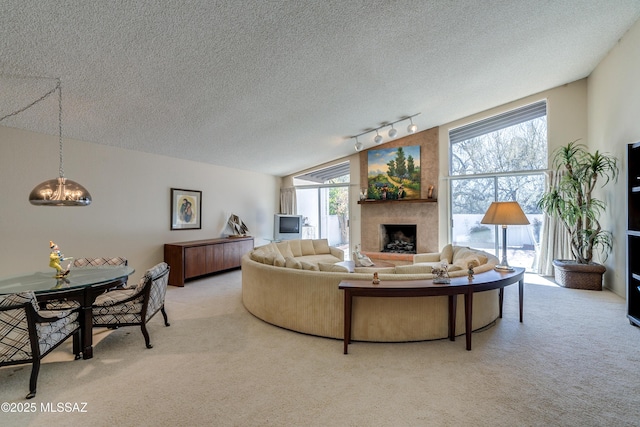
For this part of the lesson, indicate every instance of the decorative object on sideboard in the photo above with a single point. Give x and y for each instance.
(470, 266)
(59, 191)
(238, 227)
(186, 209)
(393, 132)
(441, 274)
(361, 260)
(376, 279)
(504, 213)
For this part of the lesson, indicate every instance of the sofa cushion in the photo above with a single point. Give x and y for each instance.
(294, 245)
(269, 258)
(321, 246)
(461, 252)
(309, 266)
(447, 254)
(420, 268)
(306, 246)
(284, 249)
(279, 261)
(323, 266)
(371, 270)
(258, 255)
(326, 258)
(291, 262)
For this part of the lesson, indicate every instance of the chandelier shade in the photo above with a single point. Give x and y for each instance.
(59, 192)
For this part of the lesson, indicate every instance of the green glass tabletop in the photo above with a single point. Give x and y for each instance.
(41, 282)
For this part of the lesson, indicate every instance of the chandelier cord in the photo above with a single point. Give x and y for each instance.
(58, 88)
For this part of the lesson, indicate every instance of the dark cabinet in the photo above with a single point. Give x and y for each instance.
(197, 258)
(633, 233)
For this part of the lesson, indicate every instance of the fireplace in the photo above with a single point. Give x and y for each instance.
(398, 238)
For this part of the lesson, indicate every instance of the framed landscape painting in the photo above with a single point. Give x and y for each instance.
(186, 209)
(394, 173)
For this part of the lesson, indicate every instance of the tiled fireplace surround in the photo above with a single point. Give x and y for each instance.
(423, 214)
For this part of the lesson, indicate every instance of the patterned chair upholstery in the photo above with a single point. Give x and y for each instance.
(134, 305)
(96, 262)
(63, 304)
(27, 334)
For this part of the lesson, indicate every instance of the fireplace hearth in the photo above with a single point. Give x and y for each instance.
(398, 238)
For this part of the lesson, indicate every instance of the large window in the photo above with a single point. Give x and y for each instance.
(501, 158)
(323, 200)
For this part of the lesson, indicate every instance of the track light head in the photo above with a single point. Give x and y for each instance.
(359, 146)
(378, 138)
(412, 128)
(392, 132)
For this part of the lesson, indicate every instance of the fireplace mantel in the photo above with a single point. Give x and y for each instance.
(374, 201)
(422, 211)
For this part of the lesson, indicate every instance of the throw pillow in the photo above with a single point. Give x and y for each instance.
(294, 245)
(309, 266)
(323, 266)
(321, 246)
(307, 247)
(279, 261)
(291, 262)
(447, 254)
(269, 258)
(284, 249)
(258, 255)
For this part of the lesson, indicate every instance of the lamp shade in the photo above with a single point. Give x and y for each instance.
(505, 213)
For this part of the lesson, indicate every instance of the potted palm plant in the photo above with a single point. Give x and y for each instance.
(571, 201)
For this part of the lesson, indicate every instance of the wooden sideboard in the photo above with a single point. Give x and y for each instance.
(197, 258)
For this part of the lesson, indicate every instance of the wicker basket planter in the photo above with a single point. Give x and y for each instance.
(572, 275)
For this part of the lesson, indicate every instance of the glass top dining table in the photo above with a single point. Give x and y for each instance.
(46, 282)
(81, 284)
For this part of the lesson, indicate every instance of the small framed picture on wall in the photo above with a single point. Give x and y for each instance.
(186, 209)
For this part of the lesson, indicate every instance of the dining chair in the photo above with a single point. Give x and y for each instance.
(65, 304)
(27, 334)
(134, 305)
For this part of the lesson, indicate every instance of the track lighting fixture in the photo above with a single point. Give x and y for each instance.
(358, 145)
(393, 132)
(412, 128)
(378, 138)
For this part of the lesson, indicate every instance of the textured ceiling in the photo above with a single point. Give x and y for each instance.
(279, 86)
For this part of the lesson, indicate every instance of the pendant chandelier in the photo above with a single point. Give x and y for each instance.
(59, 191)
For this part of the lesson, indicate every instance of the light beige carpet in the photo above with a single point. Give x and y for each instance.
(575, 361)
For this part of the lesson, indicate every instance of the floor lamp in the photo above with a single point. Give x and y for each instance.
(504, 213)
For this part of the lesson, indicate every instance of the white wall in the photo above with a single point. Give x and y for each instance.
(614, 122)
(130, 213)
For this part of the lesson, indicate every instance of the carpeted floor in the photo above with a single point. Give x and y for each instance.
(573, 362)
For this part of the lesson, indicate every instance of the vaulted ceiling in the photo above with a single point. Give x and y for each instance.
(279, 86)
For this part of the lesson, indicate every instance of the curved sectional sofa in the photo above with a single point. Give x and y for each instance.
(294, 285)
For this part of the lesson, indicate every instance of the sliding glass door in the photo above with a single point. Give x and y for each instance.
(325, 210)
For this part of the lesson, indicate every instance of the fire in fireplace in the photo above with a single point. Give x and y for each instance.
(398, 238)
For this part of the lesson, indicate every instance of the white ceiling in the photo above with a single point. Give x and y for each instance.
(279, 86)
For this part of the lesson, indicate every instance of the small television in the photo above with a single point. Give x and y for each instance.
(287, 227)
